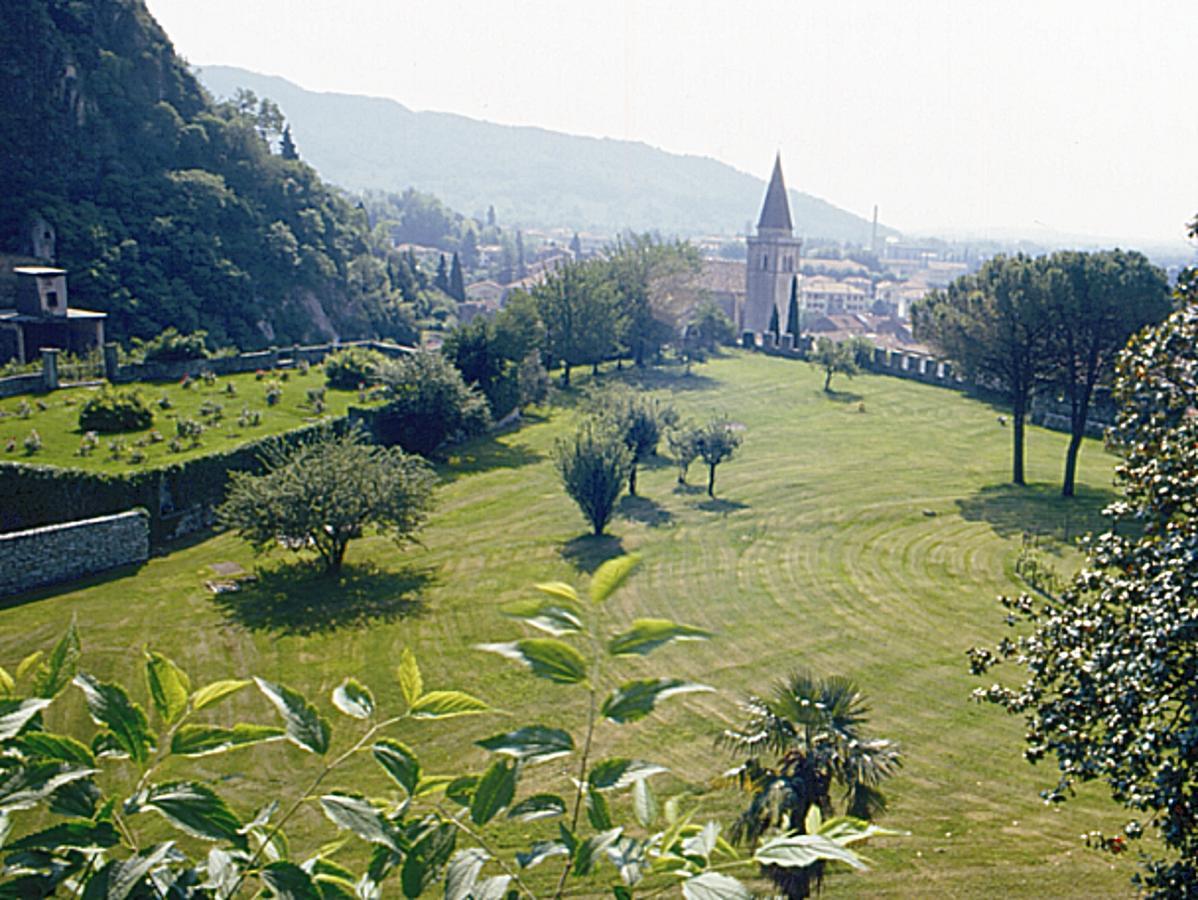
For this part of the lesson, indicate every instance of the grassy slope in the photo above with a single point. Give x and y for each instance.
(822, 551)
(58, 424)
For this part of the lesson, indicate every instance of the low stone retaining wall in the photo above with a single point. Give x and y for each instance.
(57, 553)
(22, 384)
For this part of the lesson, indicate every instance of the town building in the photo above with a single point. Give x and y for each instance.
(772, 259)
(40, 317)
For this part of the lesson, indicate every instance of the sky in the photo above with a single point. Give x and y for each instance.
(963, 115)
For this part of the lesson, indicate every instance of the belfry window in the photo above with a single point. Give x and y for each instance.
(765, 262)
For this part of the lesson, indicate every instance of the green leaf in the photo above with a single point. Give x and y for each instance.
(430, 784)
(609, 576)
(546, 657)
(644, 803)
(45, 745)
(534, 743)
(218, 690)
(7, 685)
(814, 819)
(701, 844)
(461, 789)
(647, 635)
(556, 617)
(77, 835)
(541, 851)
(598, 812)
(590, 850)
(57, 669)
(620, 772)
(202, 740)
(634, 700)
(28, 663)
(196, 809)
(354, 699)
(494, 888)
(494, 792)
(357, 815)
(561, 590)
(29, 785)
(410, 681)
(846, 830)
(797, 850)
(289, 882)
(306, 728)
(122, 878)
(399, 762)
(538, 806)
(463, 872)
(715, 886)
(446, 705)
(15, 715)
(110, 706)
(168, 686)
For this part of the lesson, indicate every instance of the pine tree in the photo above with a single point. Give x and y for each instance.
(441, 282)
(457, 287)
(793, 326)
(287, 145)
(521, 270)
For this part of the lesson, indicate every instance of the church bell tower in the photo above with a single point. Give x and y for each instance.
(773, 259)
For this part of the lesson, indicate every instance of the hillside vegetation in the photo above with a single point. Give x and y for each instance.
(865, 541)
(170, 209)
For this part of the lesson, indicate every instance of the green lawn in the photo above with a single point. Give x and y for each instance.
(864, 540)
(55, 417)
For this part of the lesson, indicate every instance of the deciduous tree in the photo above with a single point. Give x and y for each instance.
(716, 442)
(324, 494)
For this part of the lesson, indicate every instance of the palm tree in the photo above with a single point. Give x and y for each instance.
(801, 742)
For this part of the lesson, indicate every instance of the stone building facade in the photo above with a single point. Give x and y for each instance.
(773, 259)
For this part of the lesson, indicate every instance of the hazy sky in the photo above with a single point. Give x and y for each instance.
(1077, 116)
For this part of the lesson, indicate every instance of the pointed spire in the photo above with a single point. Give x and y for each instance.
(775, 212)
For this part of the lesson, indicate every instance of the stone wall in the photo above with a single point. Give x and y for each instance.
(22, 384)
(57, 553)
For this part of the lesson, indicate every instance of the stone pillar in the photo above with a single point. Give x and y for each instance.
(749, 340)
(788, 343)
(880, 357)
(946, 371)
(50, 368)
(112, 363)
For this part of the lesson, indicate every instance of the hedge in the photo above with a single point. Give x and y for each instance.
(180, 497)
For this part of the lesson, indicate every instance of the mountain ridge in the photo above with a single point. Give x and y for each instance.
(534, 176)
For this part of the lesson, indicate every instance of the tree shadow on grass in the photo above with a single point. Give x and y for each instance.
(642, 509)
(1039, 509)
(484, 456)
(842, 396)
(298, 599)
(720, 505)
(588, 552)
(667, 378)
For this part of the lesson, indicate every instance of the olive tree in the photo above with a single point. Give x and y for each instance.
(323, 494)
(638, 419)
(593, 464)
(835, 358)
(1112, 661)
(716, 442)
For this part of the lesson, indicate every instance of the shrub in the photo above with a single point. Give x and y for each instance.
(24, 410)
(111, 411)
(88, 445)
(347, 369)
(594, 465)
(32, 442)
(211, 411)
(428, 404)
(171, 346)
(274, 393)
(189, 430)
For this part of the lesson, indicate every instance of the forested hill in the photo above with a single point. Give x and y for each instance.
(531, 176)
(169, 209)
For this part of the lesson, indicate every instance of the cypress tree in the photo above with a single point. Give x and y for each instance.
(457, 287)
(792, 311)
(441, 281)
(521, 270)
(773, 329)
(287, 145)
